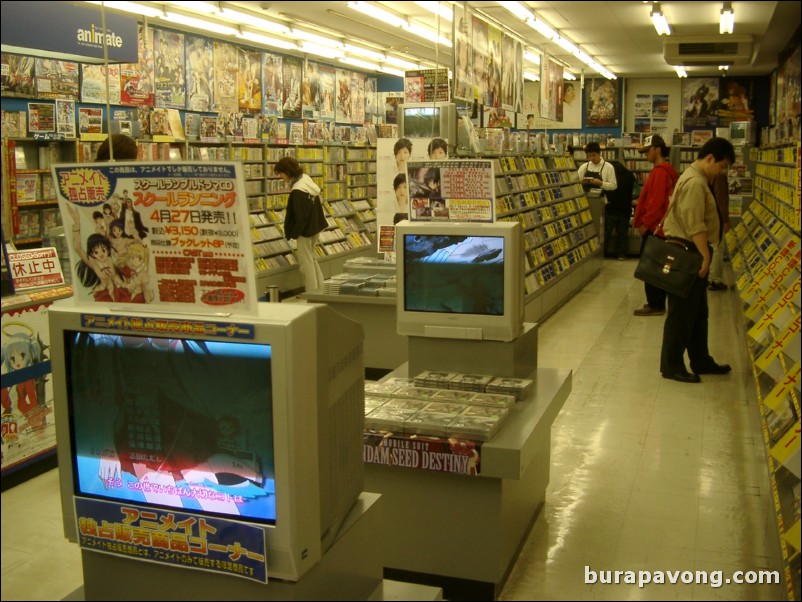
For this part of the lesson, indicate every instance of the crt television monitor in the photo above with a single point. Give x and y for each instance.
(460, 280)
(273, 417)
(428, 120)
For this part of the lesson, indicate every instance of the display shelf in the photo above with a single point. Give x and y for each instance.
(29, 204)
(636, 162)
(544, 195)
(682, 156)
(766, 260)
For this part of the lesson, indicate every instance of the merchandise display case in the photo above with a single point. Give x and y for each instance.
(766, 259)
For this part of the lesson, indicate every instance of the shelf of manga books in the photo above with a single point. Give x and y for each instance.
(29, 198)
(360, 179)
(766, 259)
(544, 194)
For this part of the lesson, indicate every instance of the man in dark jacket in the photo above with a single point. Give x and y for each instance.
(618, 211)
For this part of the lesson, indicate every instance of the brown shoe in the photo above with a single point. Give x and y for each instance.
(648, 310)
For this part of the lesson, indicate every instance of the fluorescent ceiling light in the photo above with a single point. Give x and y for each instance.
(659, 20)
(377, 13)
(206, 8)
(324, 51)
(723, 67)
(392, 60)
(680, 71)
(531, 76)
(532, 57)
(268, 41)
(360, 63)
(364, 52)
(315, 39)
(202, 24)
(252, 21)
(427, 34)
(568, 75)
(727, 22)
(445, 11)
(518, 9)
(542, 28)
(567, 45)
(131, 7)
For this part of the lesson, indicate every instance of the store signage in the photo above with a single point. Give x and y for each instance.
(68, 31)
(36, 268)
(170, 538)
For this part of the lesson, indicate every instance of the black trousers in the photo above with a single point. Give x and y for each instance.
(655, 297)
(686, 328)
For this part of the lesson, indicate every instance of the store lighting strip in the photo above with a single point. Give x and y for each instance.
(681, 71)
(659, 20)
(390, 19)
(544, 29)
(727, 22)
(438, 8)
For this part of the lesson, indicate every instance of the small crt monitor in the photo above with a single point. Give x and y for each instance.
(459, 280)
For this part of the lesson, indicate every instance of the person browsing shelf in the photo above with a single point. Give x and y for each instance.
(692, 218)
(304, 219)
(596, 174)
(649, 212)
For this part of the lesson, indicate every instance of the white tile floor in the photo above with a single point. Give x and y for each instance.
(647, 474)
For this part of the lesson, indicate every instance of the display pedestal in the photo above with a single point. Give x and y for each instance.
(463, 533)
(350, 570)
(500, 358)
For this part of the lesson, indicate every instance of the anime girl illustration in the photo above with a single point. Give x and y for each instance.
(138, 275)
(21, 350)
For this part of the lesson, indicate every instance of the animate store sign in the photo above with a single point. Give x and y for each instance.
(64, 30)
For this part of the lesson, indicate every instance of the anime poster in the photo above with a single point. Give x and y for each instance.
(602, 103)
(551, 90)
(463, 85)
(137, 79)
(773, 98)
(736, 96)
(494, 57)
(572, 105)
(170, 69)
(41, 117)
(17, 75)
(508, 72)
(27, 390)
(310, 95)
(328, 92)
(392, 102)
(271, 84)
(166, 122)
(344, 103)
(225, 78)
(699, 101)
(249, 81)
(65, 118)
(481, 61)
(291, 93)
(57, 79)
(135, 234)
(93, 84)
(371, 99)
(200, 74)
(358, 98)
(90, 120)
(789, 97)
(518, 78)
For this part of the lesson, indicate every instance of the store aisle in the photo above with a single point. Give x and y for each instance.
(647, 474)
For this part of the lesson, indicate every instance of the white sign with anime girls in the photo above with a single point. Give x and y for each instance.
(172, 234)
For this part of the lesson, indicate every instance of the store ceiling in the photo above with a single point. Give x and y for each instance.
(620, 35)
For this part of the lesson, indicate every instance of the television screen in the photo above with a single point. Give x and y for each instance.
(175, 422)
(421, 122)
(454, 274)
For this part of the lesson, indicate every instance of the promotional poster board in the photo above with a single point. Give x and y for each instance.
(459, 191)
(171, 234)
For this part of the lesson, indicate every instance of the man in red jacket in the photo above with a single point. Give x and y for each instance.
(652, 206)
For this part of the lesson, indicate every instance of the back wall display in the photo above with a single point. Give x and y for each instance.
(699, 99)
(602, 109)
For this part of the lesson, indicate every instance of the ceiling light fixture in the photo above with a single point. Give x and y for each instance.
(202, 24)
(360, 63)
(659, 20)
(532, 77)
(518, 9)
(532, 57)
(404, 64)
(438, 8)
(132, 7)
(391, 19)
(727, 22)
(254, 21)
(205, 8)
(268, 41)
(680, 71)
(391, 71)
(723, 67)
(324, 51)
(305, 36)
(568, 75)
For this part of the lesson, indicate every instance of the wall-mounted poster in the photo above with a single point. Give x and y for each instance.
(699, 99)
(358, 98)
(17, 75)
(328, 92)
(551, 90)
(481, 58)
(137, 79)
(65, 118)
(57, 79)
(788, 98)
(225, 78)
(249, 81)
(602, 104)
(41, 117)
(463, 87)
(271, 84)
(200, 73)
(93, 84)
(371, 99)
(736, 96)
(773, 98)
(293, 74)
(343, 109)
(310, 91)
(170, 68)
